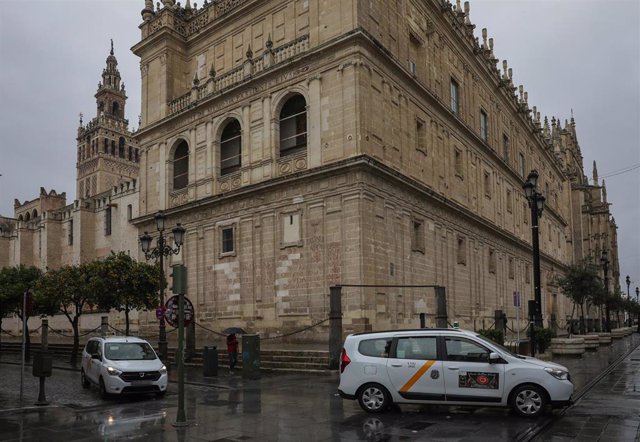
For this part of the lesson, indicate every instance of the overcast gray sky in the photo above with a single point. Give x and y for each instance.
(569, 54)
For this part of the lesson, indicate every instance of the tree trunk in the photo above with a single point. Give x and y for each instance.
(582, 328)
(76, 342)
(126, 321)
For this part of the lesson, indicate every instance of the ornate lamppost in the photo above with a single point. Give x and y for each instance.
(638, 296)
(604, 260)
(158, 253)
(628, 281)
(536, 204)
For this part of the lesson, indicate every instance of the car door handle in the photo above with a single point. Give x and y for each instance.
(453, 368)
(396, 365)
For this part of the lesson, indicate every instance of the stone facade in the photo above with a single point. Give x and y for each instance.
(308, 143)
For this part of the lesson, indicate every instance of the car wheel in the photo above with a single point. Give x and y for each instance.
(103, 390)
(83, 380)
(528, 400)
(374, 398)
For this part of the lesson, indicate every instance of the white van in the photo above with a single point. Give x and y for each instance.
(122, 365)
(447, 367)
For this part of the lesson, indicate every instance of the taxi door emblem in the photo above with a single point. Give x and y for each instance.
(141, 374)
(435, 374)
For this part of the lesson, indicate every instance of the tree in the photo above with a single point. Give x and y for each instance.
(14, 282)
(580, 283)
(68, 290)
(125, 284)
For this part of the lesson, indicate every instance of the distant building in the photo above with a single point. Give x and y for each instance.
(305, 144)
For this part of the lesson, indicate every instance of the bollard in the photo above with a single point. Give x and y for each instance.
(335, 328)
(210, 361)
(441, 307)
(251, 356)
(104, 326)
(42, 363)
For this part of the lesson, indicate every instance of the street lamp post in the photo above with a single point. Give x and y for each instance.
(536, 203)
(161, 250)
(605, 266)
(628, 281)
(638, 296)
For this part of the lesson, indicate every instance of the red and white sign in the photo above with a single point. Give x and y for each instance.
(171, 314)
(160, 312)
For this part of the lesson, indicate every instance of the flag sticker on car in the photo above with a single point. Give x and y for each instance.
(478, 380)
(417, 375)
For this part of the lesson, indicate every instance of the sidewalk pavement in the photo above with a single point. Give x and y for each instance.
(610, 411)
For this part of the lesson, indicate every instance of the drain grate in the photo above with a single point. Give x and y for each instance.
(418, 426)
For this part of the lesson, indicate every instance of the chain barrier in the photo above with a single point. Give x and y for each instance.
(80, 335)
(209, 330)
(521, 331)
(297, 331)
(6, 332)
(271, 337)
(116, 330)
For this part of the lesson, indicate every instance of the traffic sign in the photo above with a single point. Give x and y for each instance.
(171, 313)
(160, 310)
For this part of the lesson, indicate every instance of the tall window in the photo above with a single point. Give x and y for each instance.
(121, 147)
(484, 125)
(227, 240)
(129, 212)
(521, 167)
(455, 96)
(505, 147)
(70, 236)
(113, 148)
(107, 221)
(230, 148)
(421, 136)
(293, 126)
(181, 166)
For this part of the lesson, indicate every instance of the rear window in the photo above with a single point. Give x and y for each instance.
(377, 348)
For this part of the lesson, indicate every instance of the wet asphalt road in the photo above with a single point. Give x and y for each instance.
(279, 407)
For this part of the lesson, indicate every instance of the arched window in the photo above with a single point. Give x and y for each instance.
(20, 218)
(181, 166)
(121, 147)
(230, 148)
(293, 126)
(35, 213)
(115, 109)
(113, 148)
(27, 216)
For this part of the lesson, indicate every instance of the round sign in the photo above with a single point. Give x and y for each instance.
(171, 313)
(160, 312)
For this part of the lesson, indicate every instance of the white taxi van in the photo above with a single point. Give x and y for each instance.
(447, 367)
(122, 365)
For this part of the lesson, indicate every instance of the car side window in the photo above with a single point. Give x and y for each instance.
(419, 347)
(91, 347)
(377, 348)
(466, 351)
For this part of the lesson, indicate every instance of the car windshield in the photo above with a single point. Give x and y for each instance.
(504, 349)
(129, 351)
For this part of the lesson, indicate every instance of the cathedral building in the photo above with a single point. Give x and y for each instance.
(305, 144)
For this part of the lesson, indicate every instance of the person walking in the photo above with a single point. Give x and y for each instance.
(232, 350)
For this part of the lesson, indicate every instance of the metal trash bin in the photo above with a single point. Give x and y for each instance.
(210, 361)
(251, 356)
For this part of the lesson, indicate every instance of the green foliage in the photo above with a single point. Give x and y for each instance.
(543, 338)
(14, 281)
(495, 335)
(125, 284)
(581, 284)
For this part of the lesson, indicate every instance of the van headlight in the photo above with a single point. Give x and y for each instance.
(113, 371)
(163, 370)
(557, 373)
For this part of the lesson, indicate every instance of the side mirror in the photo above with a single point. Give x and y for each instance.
(493, 357)
(96, 356)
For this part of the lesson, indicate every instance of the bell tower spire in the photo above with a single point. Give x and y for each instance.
(111, 95)
(108, 153)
